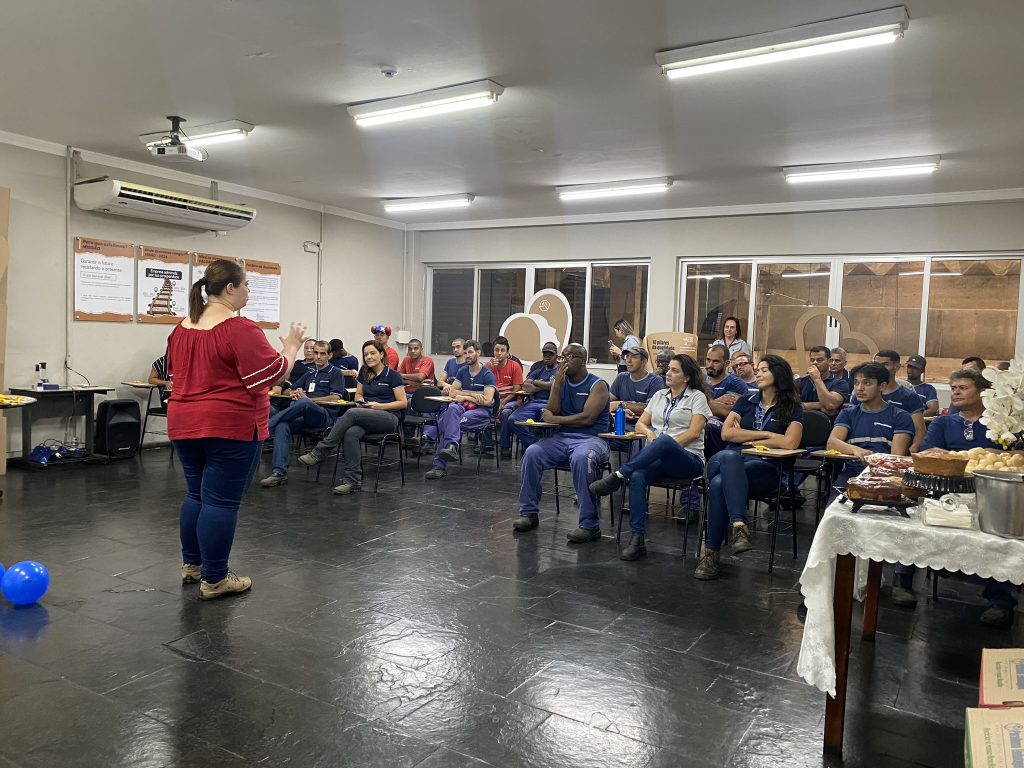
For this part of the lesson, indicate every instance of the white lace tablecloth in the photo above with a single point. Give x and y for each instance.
(892, 539)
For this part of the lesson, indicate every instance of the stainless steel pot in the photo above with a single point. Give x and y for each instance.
(1001, 502)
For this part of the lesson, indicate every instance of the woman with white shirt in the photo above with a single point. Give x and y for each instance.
(624, 334)
(732, 333)
(673, 424)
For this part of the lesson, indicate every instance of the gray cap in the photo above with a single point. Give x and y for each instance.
(549, 347)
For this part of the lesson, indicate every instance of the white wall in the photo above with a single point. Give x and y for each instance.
(359, 283)
(980, 227)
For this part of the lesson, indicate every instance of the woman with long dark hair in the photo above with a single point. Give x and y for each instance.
(769, 417)
(223, 368)
(673, 423)
(380, 392)
(732, 337)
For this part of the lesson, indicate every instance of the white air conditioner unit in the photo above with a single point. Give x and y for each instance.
(126, 199)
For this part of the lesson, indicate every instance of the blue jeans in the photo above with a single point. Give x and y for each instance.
(732, 479)
(583, 452)
(530, 410)
(662, 459)
(217, 474)
(299, 415)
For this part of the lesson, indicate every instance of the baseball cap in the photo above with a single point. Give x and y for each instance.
(642, 351)
(385, 329)
(917, 361)
(549, 347)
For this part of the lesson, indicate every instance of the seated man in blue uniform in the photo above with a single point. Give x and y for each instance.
(538, 386)
(633, 389)
(578, 404)
(871, 426)
(323, 383)
(915, 376)
(724, 390)
(896, 394)
(961, 431)
(820, 390)
(474, 390)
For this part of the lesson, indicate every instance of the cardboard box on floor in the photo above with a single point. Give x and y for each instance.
(1002, 678)
(5, 258)
(994, 738)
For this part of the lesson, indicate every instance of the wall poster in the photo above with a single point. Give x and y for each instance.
(104, 280)
(163, 285)
(264, 307)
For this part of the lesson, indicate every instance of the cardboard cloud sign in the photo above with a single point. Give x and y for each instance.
(548, 317)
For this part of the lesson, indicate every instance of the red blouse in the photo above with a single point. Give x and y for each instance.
(221, 380)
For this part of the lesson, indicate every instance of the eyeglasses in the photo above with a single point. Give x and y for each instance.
(576, 355)
(739, 363)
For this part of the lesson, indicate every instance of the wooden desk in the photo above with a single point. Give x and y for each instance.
(629, 436)
(54, 403)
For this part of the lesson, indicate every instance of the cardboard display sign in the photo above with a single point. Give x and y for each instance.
(104, 280)
(163, 284)
(1002, 678)
(673, 342)
(548, 317)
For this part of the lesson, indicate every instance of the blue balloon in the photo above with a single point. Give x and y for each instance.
(25, 582)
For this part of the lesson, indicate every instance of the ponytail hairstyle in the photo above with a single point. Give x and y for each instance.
(786, 397)
(365, 373)
(692, 372)
(217, 277)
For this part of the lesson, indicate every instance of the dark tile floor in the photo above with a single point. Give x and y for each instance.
(411, 628)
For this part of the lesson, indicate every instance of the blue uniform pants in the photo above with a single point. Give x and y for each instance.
(662, 459)
(299, 415)
(584, 453)
(530, 410)
(453, 421)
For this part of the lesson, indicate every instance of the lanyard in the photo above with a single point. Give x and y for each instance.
(760, 414)
(669, 407)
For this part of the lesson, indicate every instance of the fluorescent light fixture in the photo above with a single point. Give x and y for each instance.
(426, 103)
(843, 34)
(614, 189)
(806, 274)
(203, 135)
(427, 203)
(706, 277)
(934, 274)
(872, 169)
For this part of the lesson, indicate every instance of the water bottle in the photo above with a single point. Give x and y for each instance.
(620, 421)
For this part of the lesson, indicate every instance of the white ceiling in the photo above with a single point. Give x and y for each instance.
(584, 100)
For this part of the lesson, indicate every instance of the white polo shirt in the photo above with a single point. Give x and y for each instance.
(673, 417)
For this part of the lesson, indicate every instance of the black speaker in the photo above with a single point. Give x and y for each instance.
(118, 428)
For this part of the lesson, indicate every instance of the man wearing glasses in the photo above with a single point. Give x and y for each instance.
(743, 368)
(578, 404)
(961, 431)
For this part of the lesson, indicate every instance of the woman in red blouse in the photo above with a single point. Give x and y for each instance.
(223, 368)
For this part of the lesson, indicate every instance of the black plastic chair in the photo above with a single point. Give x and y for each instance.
(817, 428)
(603, 469)
(381, 441)
(679, 487)
(425, 415)
(153, 410)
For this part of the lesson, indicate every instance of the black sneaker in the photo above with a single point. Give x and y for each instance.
(486, 450)
(506, 453)
(584, 535)
(997, 617)
(525, 523)
(606, 485)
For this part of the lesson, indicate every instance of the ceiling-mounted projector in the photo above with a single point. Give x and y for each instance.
(178, 153)
(176, 146)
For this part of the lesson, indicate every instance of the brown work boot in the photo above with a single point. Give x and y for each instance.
(708, 567)
(191, 574)
(740, 538)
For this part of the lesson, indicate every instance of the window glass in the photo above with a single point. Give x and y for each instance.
(451, 308)
(972, 310)
(616, 293)
(785, 292)
(713, 293)
(502, 292)
(572, 282)
(882, 301)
